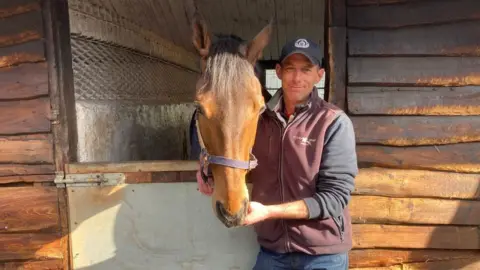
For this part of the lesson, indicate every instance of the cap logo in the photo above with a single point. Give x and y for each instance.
(302, 43)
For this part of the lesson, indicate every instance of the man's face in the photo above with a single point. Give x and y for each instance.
(298, 76)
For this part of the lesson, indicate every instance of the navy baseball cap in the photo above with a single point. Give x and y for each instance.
(304, 46)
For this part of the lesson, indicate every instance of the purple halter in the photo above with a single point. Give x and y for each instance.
(206, 158)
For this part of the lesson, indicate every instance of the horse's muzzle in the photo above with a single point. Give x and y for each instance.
(228, 219)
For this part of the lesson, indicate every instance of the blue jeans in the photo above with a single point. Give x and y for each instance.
(269, 260)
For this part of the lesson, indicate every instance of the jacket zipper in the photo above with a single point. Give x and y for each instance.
(340, 226)
(283, 131)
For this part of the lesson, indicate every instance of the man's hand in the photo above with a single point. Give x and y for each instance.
(257, 212)
(203, 187)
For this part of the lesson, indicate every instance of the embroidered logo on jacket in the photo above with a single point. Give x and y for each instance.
(304, 140)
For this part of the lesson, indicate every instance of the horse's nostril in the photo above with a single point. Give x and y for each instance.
(221, 210)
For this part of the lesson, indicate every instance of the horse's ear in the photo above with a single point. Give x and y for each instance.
(201, 36)
(258, 43)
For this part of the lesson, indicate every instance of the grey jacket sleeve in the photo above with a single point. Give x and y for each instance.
(337, 173)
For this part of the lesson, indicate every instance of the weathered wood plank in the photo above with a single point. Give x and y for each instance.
(416, 130)
(382, 210)
(29, 246)
(25, 116)
(420, 71)
(457, 264)
(27, 178)
(417, 183)
(33, 265)
(415, 13)
(464, 157)
(337, 13)
(160, 177)
(337, 60)
(388, 257)
(24, 81)
(377, 2)
(11, 8)
(134, 166)
(428, 40)
(60, 77)
(22, 28)
(25, 169)
(414, 100)
(415, 237)
(29, 209)
(26, 149)
(29, 52)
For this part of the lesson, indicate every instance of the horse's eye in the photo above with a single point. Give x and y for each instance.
(199, 108)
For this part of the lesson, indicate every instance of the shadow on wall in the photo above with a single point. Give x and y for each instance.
(119, 132)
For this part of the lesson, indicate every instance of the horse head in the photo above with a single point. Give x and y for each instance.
(229, 101)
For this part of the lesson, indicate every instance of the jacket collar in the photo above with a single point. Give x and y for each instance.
(276, 103)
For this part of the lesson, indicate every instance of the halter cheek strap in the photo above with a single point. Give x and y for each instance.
(206, 158)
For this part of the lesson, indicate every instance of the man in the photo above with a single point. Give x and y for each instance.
(307, 165)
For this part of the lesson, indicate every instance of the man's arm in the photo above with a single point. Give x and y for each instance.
(337, 173)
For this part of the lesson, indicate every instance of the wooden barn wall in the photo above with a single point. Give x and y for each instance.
(408, 74)
(133, 89)
(33, 226)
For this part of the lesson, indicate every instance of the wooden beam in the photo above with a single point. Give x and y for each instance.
(382, 210)
(370, 181)
(337, 13)
(463, 157)
(389, 257)
(29, 52)
(33, 265)
(411, 13)
(417, 183)
(414, 100)
(12, 8)
(337, 45)
(416, 237)
(416, 130)
(25, 116)
(420, 71)
(26, 169)
(60, 78)
(134, 166)
(160, 177)
(42, 178)
(21, 28)
(428, 40)
(26, 149)
(62, 98)
(28, 246)
(457, 264)
(24, 81)
(377, 2)
(29, 209)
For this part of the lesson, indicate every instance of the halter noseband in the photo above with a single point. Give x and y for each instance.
(206, 158)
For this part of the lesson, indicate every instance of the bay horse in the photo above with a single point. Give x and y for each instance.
(230, 100)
